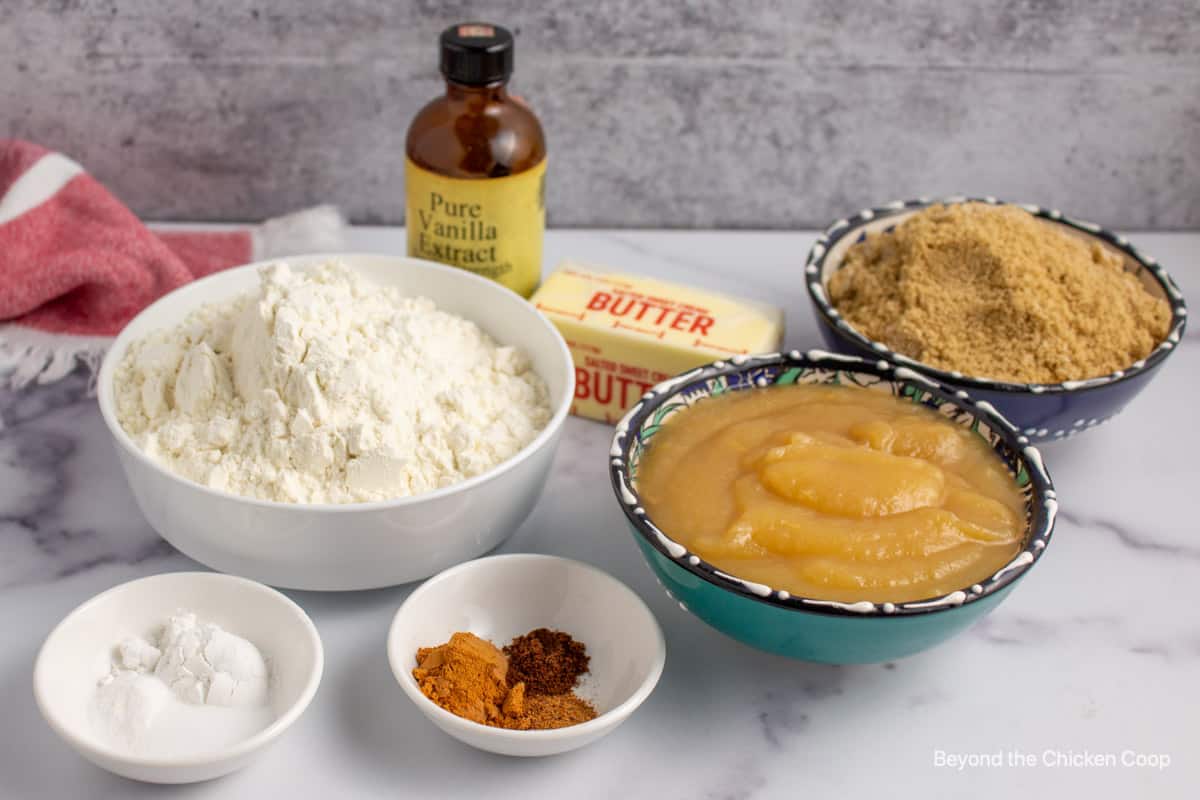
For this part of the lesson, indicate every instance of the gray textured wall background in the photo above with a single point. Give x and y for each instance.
(675, 114)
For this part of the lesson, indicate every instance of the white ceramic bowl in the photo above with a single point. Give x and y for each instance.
(501, 597)
(77, 653)
(362, 545)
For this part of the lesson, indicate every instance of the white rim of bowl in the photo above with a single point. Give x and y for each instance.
(106, 376)
(244, 747)
(403, 674)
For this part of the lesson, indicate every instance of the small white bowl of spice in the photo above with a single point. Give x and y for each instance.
(179, 677)
(526, 655)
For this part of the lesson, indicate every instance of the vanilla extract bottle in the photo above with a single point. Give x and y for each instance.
(476, 166)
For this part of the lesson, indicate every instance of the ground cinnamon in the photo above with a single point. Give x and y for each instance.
(528, 686)
(994, 292)
(465, 676)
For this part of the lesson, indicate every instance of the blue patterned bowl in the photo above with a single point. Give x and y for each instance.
(1042, 411)
(808, 628)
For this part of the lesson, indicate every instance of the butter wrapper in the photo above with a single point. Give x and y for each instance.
(627, 333)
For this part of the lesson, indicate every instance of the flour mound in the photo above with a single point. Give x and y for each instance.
(322, 387)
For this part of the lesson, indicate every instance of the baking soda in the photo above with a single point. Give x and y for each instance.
(190, 687)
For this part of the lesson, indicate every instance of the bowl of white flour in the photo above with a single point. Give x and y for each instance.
(337, 422)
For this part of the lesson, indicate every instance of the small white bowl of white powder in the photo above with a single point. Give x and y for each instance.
(337, 422)
(178, 677)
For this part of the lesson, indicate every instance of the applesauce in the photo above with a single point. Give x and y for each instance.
(833, 492)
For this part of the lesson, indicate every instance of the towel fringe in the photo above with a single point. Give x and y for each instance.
(28, 355)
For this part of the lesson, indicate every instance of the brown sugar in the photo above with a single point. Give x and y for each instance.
(994, 292)
(472, 678)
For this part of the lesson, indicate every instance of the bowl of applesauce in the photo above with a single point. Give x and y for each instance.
(828, 507)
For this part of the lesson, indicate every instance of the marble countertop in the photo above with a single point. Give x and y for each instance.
(1096, 653)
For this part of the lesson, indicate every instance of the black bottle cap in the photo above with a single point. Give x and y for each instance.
(477, 53)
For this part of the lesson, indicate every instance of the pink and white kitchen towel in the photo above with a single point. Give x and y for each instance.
(76, 264)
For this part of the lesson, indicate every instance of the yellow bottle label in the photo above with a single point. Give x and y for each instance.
(490, 226)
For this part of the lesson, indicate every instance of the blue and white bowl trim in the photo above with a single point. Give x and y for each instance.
(840, 236)
(745, 372)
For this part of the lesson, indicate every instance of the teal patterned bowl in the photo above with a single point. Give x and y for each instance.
(808, 628)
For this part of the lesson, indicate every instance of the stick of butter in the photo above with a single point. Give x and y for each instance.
(627, 333)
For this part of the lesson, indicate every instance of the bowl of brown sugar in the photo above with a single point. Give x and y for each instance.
(1054, 322)
(526, 655)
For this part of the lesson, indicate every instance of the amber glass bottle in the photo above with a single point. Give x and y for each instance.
(476, 165)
